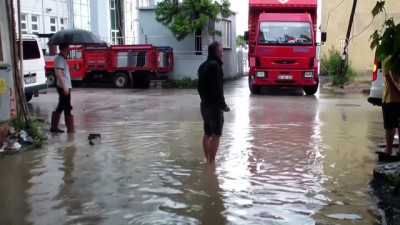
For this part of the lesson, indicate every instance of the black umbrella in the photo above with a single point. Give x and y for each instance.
(73, 37)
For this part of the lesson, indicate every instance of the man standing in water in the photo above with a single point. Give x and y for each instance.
(212, 106)
(64, 87)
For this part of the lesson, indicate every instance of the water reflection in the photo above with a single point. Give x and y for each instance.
(272, 171)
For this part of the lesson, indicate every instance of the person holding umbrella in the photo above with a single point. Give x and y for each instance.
(64, 87)
(63, 39)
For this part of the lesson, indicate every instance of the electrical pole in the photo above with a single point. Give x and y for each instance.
(343, 67)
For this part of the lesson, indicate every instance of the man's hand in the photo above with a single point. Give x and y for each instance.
(66, 91)
(226, 109)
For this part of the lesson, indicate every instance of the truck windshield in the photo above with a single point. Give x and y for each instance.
(285, 33)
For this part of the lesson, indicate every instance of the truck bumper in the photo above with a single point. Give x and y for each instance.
(280, 77)
(36, 88)
(276, 82)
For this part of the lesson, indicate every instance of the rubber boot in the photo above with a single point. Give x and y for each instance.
(55, 120)
(69, 122)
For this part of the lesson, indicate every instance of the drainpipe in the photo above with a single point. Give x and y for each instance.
(44, 26)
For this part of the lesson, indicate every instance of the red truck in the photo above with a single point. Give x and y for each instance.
(123, 65)
(284, 40)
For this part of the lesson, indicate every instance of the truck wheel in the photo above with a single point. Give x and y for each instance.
(120, 80)
(146, 81)
(28, 96)
(51, 79)
(311, 90)
(253, 88)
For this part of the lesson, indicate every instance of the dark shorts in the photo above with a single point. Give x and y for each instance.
(391, 115)
(213, 118)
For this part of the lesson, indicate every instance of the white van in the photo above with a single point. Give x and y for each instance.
(34, 67)
(378, 81)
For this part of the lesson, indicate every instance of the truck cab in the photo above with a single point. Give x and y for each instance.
(284, 44)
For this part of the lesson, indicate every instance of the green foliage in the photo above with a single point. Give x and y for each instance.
(395, 182)
(31, 128)
(330, 65)
(185, 83)
(240, 41)
(387, 40)
(185, 18)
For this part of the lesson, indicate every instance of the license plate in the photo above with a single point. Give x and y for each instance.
(285, 77)
(30, 80)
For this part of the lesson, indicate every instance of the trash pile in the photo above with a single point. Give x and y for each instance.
(15, 141)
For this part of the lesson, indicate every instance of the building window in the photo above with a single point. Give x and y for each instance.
(35, 24)
(62, 26)
(53, 26)
(24, 24)
(114, 36)
(112, 4)
(81, 14)
(226, 30)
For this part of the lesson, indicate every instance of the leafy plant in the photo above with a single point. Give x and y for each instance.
(31, 128)
(395, 182)
(330, 65)
(184, 18)
(240, 41)
(387, 40)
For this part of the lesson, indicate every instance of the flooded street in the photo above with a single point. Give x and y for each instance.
(283, 159)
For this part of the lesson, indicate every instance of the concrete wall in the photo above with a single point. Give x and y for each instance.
(186, 62)
(361, 56)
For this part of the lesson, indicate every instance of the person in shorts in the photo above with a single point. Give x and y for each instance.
(212, 106)
(390, 106)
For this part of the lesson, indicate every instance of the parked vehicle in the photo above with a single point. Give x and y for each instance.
(122, 65)
(34, 76)
(284, 42)
(378, 82)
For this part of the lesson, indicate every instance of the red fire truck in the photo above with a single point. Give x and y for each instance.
(284, 40)
(123, 65)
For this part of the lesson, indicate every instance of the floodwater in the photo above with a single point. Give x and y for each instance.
(284, 158)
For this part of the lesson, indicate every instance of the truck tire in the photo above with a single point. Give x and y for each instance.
(51, 78)
(120, 80)
(146, 81)
(253, 88)
(28, 96)
(311, 90)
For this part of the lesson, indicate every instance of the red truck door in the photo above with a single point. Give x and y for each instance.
(75, 58)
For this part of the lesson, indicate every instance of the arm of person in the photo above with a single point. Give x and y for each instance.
(392, 83)
(218, 88)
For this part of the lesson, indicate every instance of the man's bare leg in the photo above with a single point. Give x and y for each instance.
(389, 134)
(206, 147)
(214, 144)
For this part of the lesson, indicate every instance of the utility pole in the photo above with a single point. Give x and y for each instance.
(343, 67)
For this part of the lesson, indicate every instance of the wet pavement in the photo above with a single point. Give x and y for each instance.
(284, 158)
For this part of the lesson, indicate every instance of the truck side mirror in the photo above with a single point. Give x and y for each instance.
(323, 37)
(246, 36)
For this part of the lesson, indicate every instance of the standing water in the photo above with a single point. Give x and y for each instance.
(283, 159)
